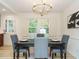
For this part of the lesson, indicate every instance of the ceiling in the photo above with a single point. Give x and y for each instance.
(23, 6)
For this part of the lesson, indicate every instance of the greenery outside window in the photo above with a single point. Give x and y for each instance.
(32, 25)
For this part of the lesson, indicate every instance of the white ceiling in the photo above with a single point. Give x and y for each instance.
(22, 6)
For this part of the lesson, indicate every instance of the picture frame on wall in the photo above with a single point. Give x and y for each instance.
(73, 20)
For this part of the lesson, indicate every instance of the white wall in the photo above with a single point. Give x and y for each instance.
(73, 47)
(57, 26)
(21, 22)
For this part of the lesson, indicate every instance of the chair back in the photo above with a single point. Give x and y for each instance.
(65, 39)
(14, 39)
(41, 46)
(40, 35)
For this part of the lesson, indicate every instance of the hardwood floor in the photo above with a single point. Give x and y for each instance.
(6, 53)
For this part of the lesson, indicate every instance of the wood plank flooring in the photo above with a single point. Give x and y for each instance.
(7, 53)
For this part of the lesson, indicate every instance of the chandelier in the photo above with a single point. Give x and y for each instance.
(42, 7)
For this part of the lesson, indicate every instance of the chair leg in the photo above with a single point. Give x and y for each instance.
(23, 54)
(61, 54)
(18, 54)
(13, 55)
(64, 55)
(55, 54)
(50, 51)
(52, 56)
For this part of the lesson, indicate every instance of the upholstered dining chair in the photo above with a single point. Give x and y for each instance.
(14, 39)
(41, 47)
(64, 40)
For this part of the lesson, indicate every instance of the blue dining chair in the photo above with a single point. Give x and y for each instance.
(41, 47)
(64, 40)
(14, 39)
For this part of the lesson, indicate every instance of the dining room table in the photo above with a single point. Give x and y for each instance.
(30, 43)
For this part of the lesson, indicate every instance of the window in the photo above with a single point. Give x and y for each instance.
(36, 24)
(9, 24)
(32, 25)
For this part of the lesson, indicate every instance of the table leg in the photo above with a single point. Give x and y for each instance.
(26, 55)
(28, 52)
(50, 51)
